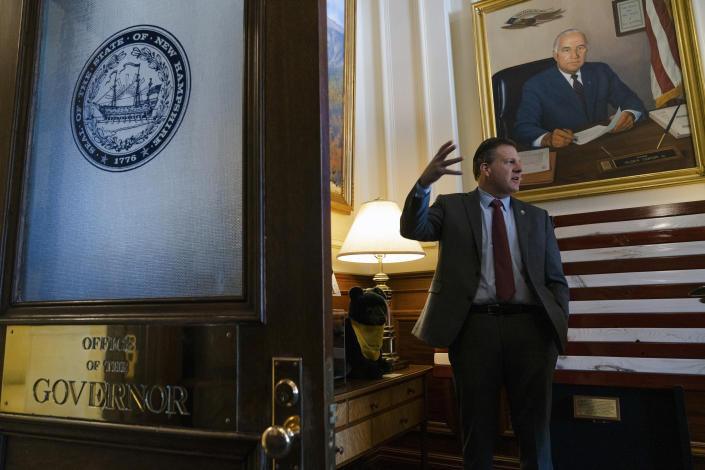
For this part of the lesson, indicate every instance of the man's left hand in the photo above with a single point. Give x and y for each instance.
(626, 122)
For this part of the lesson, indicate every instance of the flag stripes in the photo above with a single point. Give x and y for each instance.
(636, 335)
(690, 261)
(630, 272)
(652, 350)
(635, 251)
(591, 220)
(689, 220)
(638, 278)
(628, 292)
(637, 320)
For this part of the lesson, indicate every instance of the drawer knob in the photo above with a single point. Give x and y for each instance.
(339, 450)
(374, 406)
(403, 421)
(410, 391)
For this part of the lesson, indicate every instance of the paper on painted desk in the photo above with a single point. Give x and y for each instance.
(535, 161)
(588, 135)
(680, 127)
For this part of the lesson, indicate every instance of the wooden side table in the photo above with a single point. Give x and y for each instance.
(370, 412)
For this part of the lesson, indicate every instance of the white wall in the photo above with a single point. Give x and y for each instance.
(404, 109)
(417, 87)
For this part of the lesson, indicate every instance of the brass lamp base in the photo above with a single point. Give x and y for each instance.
(388, 348)
(388, 352)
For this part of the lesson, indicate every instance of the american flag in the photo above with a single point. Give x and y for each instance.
(630, 272)
(666, 79)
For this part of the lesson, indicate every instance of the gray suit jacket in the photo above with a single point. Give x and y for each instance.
(456, 221)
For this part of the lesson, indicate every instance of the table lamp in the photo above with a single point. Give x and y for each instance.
(374, 238)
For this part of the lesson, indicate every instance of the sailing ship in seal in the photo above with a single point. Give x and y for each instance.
(141, 108)
(130, 98)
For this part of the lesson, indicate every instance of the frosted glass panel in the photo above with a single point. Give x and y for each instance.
(134, 183)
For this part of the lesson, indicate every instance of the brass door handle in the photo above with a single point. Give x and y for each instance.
(277, 440)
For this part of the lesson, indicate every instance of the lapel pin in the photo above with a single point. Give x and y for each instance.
(522, 212)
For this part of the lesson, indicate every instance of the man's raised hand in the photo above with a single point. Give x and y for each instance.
(438, 166)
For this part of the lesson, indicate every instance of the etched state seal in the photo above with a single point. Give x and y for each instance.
(130, 98)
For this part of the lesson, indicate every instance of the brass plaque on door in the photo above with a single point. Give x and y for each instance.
(133, 374)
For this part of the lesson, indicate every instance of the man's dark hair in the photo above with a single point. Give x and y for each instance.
(485, 153)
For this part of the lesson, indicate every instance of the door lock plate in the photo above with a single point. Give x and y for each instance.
(287, 418)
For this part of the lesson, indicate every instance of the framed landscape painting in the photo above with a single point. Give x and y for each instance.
(341, 101)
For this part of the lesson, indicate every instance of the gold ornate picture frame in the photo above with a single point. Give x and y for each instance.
(341, 105)
(625, 161)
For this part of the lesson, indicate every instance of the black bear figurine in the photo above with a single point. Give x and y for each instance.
(364, 328)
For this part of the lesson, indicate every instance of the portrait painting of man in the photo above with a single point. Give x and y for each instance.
(562, 76)
(571, 95)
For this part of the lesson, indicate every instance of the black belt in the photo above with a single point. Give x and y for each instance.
(505, 309)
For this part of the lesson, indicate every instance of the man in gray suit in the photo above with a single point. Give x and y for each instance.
(498, 299)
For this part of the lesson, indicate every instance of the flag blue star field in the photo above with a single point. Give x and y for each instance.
(134, 177)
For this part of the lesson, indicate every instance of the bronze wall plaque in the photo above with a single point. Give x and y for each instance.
(588, 407)
(132, 374)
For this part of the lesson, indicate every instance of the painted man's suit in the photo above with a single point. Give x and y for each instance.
(549, 102)
(488, 351)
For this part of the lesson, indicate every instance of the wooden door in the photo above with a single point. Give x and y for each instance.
(175, 370)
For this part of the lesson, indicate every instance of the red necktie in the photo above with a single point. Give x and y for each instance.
(504, 278)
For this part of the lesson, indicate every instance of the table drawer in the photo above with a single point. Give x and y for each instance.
(397, 420)
(353, 441)
(407, 390)
(365, 405)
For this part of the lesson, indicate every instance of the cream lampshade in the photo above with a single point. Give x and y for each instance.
(374, 238)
